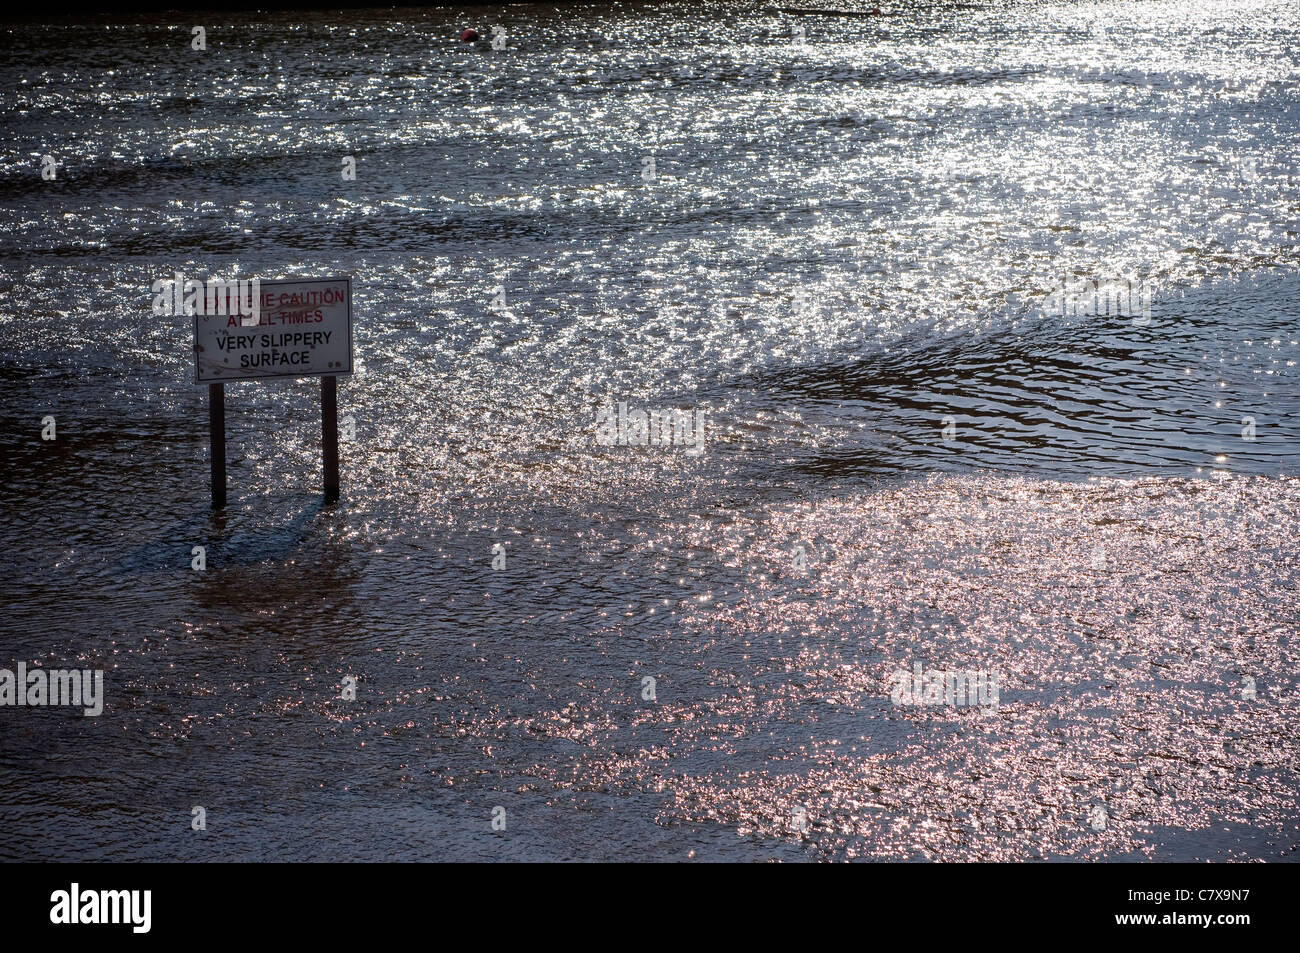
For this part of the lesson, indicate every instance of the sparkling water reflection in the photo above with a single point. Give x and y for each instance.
(845, 242)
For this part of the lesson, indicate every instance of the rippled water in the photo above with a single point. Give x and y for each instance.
(844, 250)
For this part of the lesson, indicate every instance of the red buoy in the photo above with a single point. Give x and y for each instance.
(469, 36)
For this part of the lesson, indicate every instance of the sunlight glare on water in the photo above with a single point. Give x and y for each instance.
(845, 243)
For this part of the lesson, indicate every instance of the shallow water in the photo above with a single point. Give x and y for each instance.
(844, 251)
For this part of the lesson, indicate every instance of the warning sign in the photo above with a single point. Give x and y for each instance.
(299, 328)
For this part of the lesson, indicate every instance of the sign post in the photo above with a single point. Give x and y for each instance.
(300, 328)
(329, 418)
(217, 440)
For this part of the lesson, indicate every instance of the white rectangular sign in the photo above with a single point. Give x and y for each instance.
(304, 328)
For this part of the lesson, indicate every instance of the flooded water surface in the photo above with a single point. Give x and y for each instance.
(986, 321)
